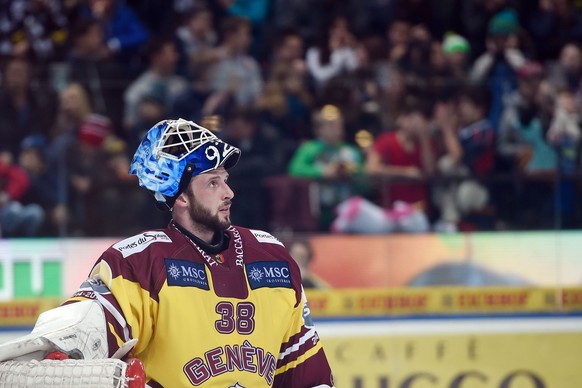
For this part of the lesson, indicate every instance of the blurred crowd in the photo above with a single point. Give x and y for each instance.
(352, 115)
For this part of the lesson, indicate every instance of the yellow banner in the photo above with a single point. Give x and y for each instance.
(24, 312)
(383, 302)
(443, 300)
(457, 361)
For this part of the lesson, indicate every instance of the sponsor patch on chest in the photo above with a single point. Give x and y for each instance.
(269, 274)
(264, 237)
(185, 273)
(139, 242)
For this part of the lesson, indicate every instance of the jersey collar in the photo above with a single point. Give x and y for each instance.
(219, 243)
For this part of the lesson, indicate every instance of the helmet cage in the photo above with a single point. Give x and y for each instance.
(181, 139)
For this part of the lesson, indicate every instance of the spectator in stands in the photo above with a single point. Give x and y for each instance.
(553, 25)
(235, 74)
(196, 40)
(523, 127)
(74, 108)
(288, 48)
(349, 94)
(358, 93)
(124, 32)
(469, 156)
(90, 65)
(393, 91)
(84, 162)
(286, 98)
(33, 29)
(329, 159)
(26, 110)
(160, 78)
(302, 252)
(566, 73)
(75, 154)
(522, 148)
(566, 120)
(415, 64)
(398, 35)
(285, 102)
(372, 50)
(497, 67)
(403, 158)
(265, 155)
(87, 41)
(223, 77)
(44, 184)
(365, 87)
(16, 219)
(335, 53)
(256, 12)
(565, 135)
(457, 53)
(475, 17)
(440, 73)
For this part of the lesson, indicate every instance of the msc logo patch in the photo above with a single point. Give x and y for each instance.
(185, 273)
(139, 242)
(268, 274)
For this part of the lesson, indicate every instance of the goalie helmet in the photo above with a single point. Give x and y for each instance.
(174, 151)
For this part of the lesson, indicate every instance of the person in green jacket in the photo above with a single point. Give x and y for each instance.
(330, 161)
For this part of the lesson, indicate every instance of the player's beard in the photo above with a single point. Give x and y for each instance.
(204, 217)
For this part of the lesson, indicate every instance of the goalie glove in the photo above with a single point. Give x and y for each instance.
(77, 330)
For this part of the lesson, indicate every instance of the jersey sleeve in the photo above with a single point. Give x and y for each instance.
(302, 362)
(130, 310)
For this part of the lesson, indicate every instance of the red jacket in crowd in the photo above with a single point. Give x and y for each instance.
(13, 180)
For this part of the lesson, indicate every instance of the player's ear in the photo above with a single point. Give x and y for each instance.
(181, 201)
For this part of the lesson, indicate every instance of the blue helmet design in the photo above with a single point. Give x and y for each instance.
(172, 148)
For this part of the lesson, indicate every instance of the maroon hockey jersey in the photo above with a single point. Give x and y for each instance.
(232, 314)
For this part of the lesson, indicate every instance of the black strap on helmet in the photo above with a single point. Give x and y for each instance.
(182, 185)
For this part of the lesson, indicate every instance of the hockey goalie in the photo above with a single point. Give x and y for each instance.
(200, 303)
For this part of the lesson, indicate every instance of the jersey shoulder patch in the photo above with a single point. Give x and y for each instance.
(140, 242)
(265, 237)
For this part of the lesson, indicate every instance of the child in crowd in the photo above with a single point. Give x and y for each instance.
(329, 159)
(468, 159)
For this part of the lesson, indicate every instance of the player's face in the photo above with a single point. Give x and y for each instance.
(209, 200)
